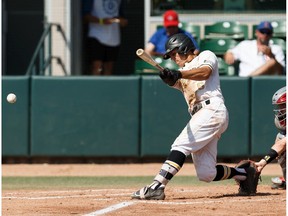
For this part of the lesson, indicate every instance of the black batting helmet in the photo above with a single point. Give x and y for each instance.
(180, 41)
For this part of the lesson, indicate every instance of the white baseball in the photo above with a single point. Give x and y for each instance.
(11, 98)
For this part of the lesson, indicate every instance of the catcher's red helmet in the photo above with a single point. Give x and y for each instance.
(279, 103)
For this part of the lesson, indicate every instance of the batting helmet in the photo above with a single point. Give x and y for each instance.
(279, 103)
(180, 41)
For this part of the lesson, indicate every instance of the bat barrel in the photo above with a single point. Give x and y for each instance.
(139, 52)
(147, 58)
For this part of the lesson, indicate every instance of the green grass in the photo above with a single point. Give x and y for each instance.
(34, 183)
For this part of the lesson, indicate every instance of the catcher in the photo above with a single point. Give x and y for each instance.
(278, 150)
(198, 80)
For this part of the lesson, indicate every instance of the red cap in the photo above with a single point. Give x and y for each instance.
(171, 18)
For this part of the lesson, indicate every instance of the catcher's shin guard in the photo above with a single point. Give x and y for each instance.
(282, 162)
(248, 187)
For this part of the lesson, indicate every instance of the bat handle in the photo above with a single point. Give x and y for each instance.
(159, 67)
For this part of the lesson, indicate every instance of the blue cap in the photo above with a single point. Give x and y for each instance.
(266, 26)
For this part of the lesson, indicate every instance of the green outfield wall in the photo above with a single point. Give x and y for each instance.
(16, 117)
(236, 140)
(163, 116)
(85, 116)
(262, 134)
(126, 116)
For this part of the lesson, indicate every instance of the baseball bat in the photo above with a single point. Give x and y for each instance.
(147, 58)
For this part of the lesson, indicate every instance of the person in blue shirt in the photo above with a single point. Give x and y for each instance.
(156, 44)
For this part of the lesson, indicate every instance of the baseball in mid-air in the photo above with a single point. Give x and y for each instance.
(11, 98)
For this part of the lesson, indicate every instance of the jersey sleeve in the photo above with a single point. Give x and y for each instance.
(279, 55)
(154, 39)
(208, 58)
(237, 50)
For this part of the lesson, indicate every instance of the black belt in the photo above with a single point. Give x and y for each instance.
(199, 106)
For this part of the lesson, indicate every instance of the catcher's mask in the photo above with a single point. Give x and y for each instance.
(179, 41)
(279, 108)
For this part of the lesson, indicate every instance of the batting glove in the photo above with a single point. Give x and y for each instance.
(170, 76)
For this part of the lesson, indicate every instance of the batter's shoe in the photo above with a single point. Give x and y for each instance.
(147, 193)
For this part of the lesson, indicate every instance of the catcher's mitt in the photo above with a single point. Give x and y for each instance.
(248, 187)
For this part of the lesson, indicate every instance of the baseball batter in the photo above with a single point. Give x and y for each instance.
(198, 80)
(278, 150)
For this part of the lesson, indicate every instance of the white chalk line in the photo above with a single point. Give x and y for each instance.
(204, 202)
(63, 197)
(111, 208)
(66, 191)
(96, 195)
(125, 204)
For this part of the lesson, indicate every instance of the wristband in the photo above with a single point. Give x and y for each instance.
(101, 21)
(270, 156)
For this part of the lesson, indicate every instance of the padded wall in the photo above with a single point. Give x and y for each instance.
(263, 130)
(85, 116)
(163, 116)
(126, 116)
(235, 141)
(15, 117)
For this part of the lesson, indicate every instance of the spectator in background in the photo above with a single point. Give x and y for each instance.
(259, 56)
(156, 44)
(104, 18)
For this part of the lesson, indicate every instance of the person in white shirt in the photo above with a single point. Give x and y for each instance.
(259, 56)
(105, 17)
(198, 80)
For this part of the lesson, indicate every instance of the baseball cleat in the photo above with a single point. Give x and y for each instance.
(278, 183)
(278, 180)
(147, 193)
(279, 187)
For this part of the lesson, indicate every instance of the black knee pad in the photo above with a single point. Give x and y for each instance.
(177, 157)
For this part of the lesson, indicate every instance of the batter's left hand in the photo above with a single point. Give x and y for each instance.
(170, 76)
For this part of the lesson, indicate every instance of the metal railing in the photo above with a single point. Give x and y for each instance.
(42, 57)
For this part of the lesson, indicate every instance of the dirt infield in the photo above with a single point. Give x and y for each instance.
(148, 169)
(180, 200)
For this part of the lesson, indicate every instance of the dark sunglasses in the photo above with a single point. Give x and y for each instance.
(265, 31)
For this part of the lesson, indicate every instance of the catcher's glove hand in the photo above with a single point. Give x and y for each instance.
(248, 187)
